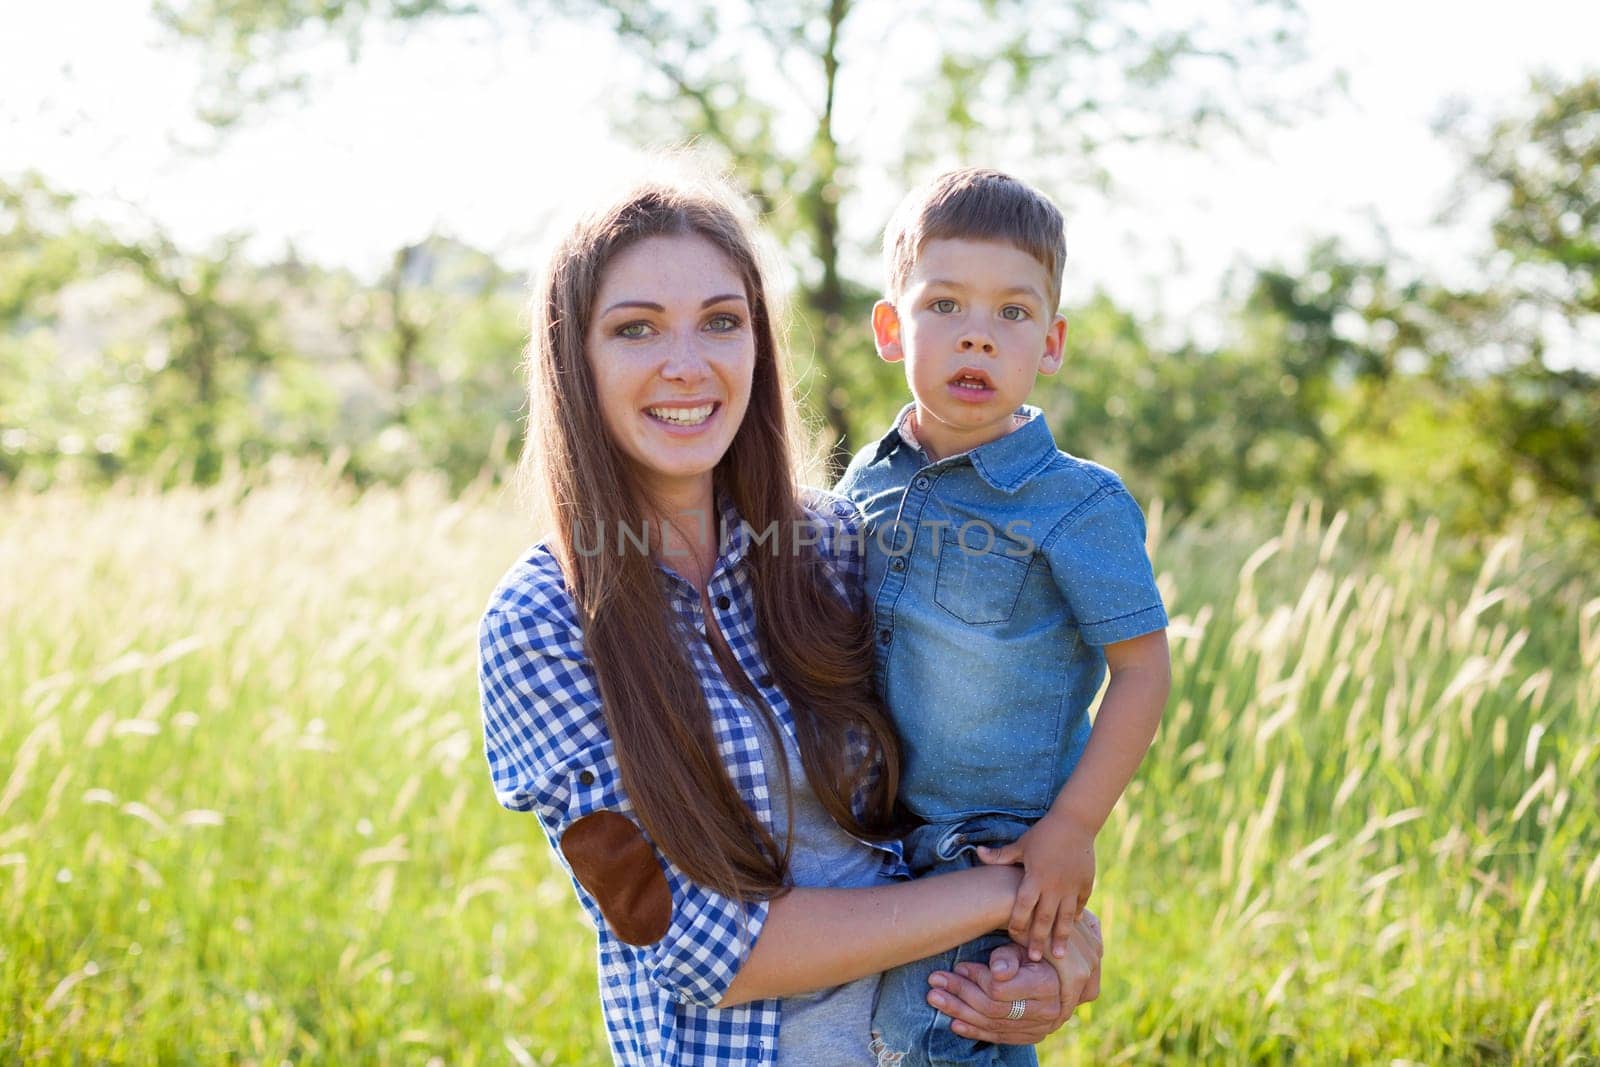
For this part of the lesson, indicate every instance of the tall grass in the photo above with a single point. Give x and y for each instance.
(244, 816)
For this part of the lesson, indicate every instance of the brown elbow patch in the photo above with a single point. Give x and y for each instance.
(612, 860)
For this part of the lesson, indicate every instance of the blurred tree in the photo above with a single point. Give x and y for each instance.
(442, 332)
(1197, 429)
(217, 338)
(1048, 83)
(42, 250)
(1544, 165)
(130, 354)
(125, 352)
(418, 295)
(1366, 355)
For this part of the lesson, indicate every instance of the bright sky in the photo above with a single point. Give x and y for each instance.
(479, 137)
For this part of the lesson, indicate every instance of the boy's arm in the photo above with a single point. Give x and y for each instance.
(1058, 851)
(1141, 678)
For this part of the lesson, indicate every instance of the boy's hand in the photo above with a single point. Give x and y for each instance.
(1057, 857)
(1078, 970)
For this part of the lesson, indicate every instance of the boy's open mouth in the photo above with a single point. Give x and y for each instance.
(972, 380)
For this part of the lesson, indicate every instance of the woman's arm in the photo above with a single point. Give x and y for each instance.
(815, 938)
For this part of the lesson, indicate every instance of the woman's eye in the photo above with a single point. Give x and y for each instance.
(633, 330)
(944, 306)
(723, 323)
(1013, 313)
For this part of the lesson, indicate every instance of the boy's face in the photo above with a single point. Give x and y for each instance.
(975, 327)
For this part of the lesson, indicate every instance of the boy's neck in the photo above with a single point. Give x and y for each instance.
(933, 438)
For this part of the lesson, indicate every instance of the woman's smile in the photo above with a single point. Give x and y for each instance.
(681, 417)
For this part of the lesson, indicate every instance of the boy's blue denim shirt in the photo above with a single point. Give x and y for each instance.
(994, 577)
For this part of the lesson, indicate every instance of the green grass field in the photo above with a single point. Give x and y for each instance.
(244, 815)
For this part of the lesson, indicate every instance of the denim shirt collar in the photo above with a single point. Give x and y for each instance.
(1006, 463)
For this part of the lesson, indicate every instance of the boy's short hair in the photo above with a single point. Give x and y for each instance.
(976, 204)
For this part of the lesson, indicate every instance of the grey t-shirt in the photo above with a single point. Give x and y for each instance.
(831, 1026)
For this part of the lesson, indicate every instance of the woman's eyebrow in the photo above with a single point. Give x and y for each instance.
(649, 305)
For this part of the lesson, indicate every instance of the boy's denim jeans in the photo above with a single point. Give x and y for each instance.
(904, 1025)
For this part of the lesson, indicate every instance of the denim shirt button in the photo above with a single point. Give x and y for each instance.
(899, 563)
(923, 483)
(883, 636)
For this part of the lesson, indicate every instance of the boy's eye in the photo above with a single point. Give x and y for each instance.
(1013, 312)
(944, 306)
(633, 330)
(723, 323)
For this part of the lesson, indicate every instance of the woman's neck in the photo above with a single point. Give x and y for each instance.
(689, 534)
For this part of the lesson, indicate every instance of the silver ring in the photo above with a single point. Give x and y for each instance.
(1017, 1008)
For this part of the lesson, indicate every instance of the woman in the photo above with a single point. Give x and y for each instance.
(678, 681)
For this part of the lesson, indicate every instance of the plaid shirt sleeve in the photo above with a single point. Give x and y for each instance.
(550, 753)
(842, 545)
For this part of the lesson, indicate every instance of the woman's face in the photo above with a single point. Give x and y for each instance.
(673, 352)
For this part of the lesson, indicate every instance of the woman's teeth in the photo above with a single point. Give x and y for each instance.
(682, 416)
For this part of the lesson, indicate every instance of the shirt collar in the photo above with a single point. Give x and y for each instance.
(733, 534)
(1007, 462)
(733, 540)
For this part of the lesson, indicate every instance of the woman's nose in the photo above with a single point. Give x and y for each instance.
(685, 361)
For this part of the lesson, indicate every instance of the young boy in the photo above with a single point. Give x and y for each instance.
(1005, 576)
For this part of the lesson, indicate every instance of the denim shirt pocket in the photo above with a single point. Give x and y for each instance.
(980, 587)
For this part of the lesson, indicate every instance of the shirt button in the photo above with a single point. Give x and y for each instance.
(765, 681)
(586, 777)
(923, 483)
(883, 636)
(723, 603)
(899, 563)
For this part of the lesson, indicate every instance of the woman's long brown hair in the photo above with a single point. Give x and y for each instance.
(819, 650)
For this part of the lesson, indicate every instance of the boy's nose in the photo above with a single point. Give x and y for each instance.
(977, 341)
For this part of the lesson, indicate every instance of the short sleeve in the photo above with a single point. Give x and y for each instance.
(1098, 561)
(549, 753)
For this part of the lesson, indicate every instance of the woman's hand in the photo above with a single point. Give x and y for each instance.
(978, 999)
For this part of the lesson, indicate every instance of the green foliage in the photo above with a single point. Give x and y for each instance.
(1047, 85)
(1545, 165)
(1548, 422)
(245, 814)
(134, 356)
(1380, 387)
(39, 253)
(1199, 429)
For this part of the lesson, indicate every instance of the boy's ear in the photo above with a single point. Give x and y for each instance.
(886, 332)
(1055, 344)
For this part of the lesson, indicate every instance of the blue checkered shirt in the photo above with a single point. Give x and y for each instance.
(550, 753)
